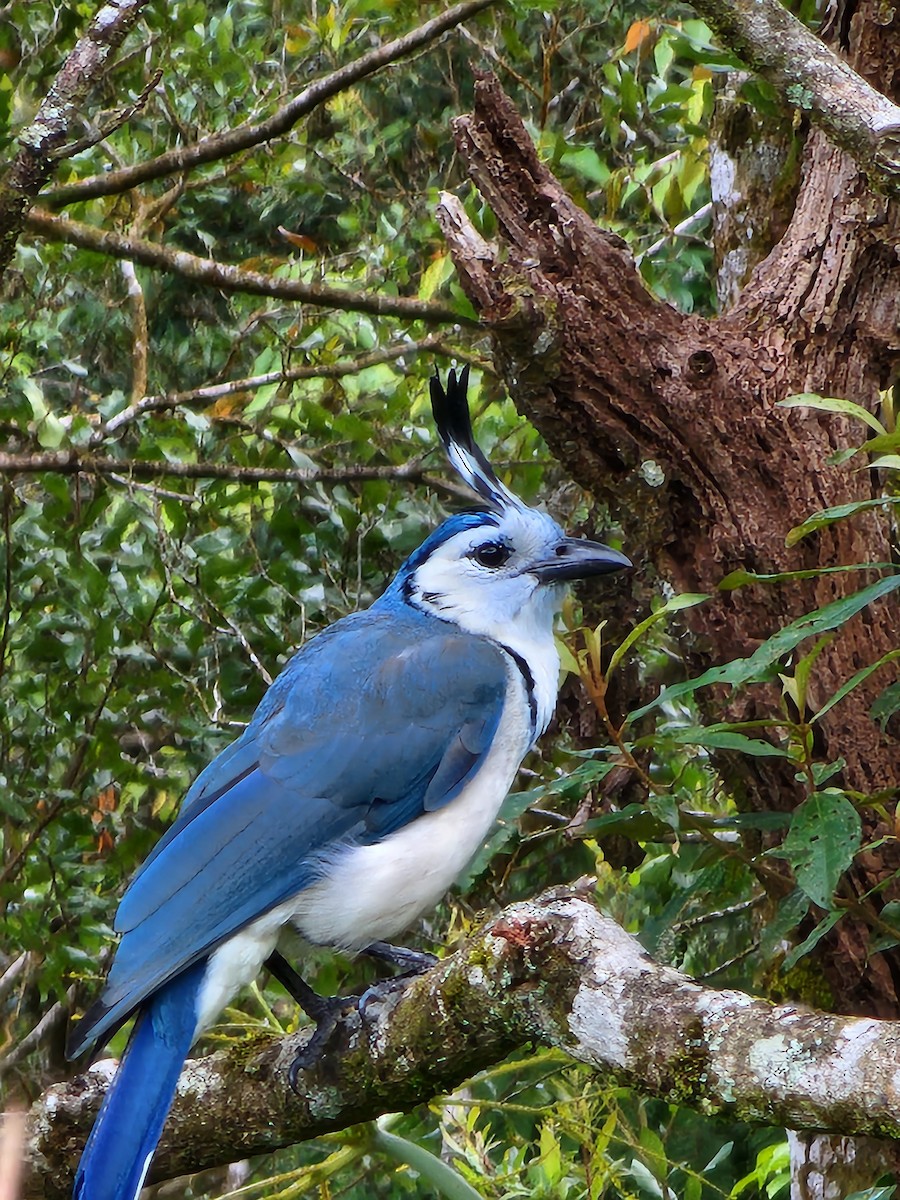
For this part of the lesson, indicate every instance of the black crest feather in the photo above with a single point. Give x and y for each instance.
(454, 425)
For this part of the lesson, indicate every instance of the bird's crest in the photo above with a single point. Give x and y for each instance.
(454, 426)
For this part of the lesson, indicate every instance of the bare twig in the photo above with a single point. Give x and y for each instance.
(229, 278)
(114, 121)
(73, 462)
(222, 145)
(13, 973)
(216, 391)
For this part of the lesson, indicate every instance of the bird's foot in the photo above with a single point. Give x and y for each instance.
(330, 1009)
(410, 962)
(326, 1011)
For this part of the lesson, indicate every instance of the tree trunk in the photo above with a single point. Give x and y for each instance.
(754, 173)
(615, 379)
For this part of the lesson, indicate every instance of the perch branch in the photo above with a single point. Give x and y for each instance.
(552, 971)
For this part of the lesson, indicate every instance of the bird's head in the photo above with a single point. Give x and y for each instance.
(503, 565)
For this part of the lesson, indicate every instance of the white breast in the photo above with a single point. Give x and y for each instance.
(373, 893)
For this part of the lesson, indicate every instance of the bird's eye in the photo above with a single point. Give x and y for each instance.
(491, 554)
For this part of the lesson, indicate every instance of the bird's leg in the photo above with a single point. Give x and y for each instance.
(326, 1011)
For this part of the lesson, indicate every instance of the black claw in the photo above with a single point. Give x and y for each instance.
(382, 988)
(327, 1011)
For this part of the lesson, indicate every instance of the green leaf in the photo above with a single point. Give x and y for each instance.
(839, 512)
(433, 1170)
(741, 578)
(809, 943)
(720, 737)
(788, 915)
(802, 671)
(50, 432)
(665, 807)
(886, 705)
(833, 404)
(824, 836)
(822, 772)
(634, 821)
(586, 162)
(743, 670)
(855, 681)
(887, 462)
(675, 604)
(435, 276)
(881, 939)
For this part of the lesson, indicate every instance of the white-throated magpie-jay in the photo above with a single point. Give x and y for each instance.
(369, 776)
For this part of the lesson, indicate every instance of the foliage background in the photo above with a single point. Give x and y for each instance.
(144, 609)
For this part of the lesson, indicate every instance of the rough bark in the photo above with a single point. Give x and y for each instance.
(551, 971)
(842, 98)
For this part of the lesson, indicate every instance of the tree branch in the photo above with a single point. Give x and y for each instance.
(812, 77)
(216, 391)
(140, 338)
(552, 971)
(74, 462)
(229, 278)
(223, 145)
(41, 143)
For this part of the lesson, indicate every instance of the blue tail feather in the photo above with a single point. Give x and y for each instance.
(118, 1152)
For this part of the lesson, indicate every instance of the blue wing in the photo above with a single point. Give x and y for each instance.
(380, 718)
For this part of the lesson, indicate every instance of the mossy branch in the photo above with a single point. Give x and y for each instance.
(551, 971)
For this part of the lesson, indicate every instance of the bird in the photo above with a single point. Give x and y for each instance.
(367, 779)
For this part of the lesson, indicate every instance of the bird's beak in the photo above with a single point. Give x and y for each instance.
(575, 558)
